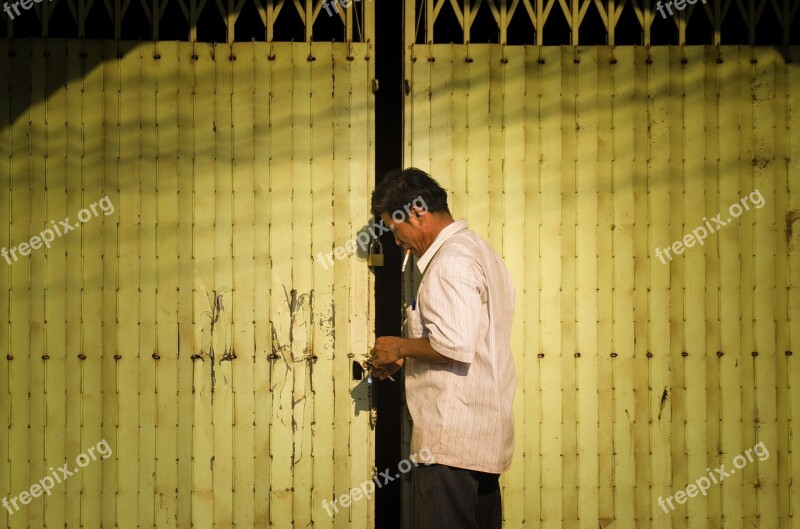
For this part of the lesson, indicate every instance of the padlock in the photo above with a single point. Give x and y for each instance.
(375, 258)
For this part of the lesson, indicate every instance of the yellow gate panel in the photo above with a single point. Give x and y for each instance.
(192, 326)
(654, 319)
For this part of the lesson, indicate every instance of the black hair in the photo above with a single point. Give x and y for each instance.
(400, 187)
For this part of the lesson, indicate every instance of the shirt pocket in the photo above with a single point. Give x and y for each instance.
(414, 323)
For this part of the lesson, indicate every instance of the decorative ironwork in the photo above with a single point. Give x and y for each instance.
(611, 22)
(194, 20)
(539, 22)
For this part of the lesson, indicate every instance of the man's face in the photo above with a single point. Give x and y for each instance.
(407, 234)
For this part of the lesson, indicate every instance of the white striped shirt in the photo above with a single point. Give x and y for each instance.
(462, 410)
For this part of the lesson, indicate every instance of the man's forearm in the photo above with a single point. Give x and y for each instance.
(420, 348)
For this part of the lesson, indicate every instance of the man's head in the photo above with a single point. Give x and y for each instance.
(414, 206)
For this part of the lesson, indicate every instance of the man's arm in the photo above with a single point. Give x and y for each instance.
(420, 348)
(390, 352)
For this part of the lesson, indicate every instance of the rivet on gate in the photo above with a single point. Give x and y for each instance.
(375, 255)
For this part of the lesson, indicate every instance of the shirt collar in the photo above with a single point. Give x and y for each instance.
(446, 233)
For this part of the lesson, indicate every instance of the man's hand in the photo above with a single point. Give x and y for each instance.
(385, 371)
(386, 351)
(385, 356)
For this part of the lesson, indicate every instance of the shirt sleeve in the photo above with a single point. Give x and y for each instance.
(451, 311)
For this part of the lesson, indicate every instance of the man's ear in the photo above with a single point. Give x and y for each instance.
(416, 219)
(417, 213)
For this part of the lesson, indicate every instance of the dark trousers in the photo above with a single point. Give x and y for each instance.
(456, 498)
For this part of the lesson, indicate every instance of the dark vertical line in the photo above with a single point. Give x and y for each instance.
(388, 155)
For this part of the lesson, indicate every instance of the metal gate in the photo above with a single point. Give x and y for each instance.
(188, 324)
(641, 363)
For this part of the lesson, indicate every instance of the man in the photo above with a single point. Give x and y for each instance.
(459, 370)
